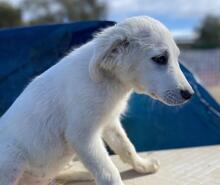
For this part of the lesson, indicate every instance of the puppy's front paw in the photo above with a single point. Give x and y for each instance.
(148, 165)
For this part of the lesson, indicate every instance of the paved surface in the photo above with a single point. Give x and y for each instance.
(191, 166)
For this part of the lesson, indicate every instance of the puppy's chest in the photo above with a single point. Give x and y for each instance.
(113, 110)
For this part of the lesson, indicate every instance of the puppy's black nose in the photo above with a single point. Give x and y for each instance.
(186, 94)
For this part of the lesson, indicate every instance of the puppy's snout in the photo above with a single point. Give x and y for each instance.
(186, 94)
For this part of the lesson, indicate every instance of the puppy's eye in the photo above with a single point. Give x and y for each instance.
(161, 59)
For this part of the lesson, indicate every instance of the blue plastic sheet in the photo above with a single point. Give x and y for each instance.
(27, 52)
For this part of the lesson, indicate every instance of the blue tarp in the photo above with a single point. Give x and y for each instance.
(27, 52)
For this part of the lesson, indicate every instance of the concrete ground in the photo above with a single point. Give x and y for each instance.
(191, 166)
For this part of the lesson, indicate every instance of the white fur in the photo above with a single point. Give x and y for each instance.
(69, 108)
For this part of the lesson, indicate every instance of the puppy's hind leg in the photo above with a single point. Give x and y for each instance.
(71, 175)
(115, 136)
(73, 171)
(11, 165)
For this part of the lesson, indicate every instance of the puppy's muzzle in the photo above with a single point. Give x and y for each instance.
(186, 94)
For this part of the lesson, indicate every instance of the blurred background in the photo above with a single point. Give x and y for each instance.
(194, 24)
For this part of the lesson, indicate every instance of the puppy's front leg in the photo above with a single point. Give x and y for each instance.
(115, 136)
(92, 153)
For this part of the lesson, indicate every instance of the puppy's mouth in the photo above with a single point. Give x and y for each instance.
(173, 98)
(154, 96)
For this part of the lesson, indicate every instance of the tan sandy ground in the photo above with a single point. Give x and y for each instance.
(215, 91)
(191, 166)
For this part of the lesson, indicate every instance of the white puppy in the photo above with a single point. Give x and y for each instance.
(69, 108)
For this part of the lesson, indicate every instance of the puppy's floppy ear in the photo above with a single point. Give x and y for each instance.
(106, 57)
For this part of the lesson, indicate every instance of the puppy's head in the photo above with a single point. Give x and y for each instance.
(141, 53)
